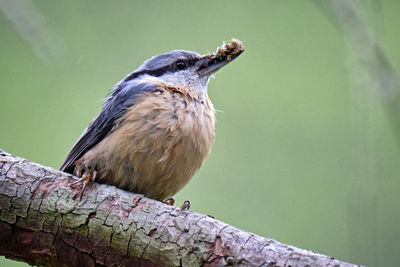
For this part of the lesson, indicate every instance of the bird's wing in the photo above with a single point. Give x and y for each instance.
(122, 97)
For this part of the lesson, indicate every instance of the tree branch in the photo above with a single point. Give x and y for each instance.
(42, 222)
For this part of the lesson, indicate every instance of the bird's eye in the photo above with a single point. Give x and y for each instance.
(180, 65)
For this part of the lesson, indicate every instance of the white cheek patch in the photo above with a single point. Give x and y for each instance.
(175, 78)
(186, 79)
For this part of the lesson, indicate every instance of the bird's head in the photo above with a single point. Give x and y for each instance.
(187, 69)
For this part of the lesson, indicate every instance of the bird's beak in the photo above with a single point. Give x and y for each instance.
(209, 64)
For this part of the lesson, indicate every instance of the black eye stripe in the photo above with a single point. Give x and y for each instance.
(188, 61)
(191, 61)
(162, 70)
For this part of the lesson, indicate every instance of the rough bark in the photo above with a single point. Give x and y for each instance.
(43, 222)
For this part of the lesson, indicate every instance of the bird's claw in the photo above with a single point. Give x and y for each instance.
(87, 178)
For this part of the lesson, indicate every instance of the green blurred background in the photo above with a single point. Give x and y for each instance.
(299, 156)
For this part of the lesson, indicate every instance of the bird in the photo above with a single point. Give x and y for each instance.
(156, 127)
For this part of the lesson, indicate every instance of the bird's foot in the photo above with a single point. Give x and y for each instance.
(185, 205)
(88, 177)
(171, 201)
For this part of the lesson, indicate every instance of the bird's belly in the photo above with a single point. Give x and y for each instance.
(155, 152)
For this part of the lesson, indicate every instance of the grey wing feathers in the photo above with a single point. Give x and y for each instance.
(123, 96)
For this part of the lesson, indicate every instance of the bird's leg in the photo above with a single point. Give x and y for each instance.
(88, 177)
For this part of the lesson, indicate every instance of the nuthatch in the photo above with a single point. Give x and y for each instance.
(156, 127)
